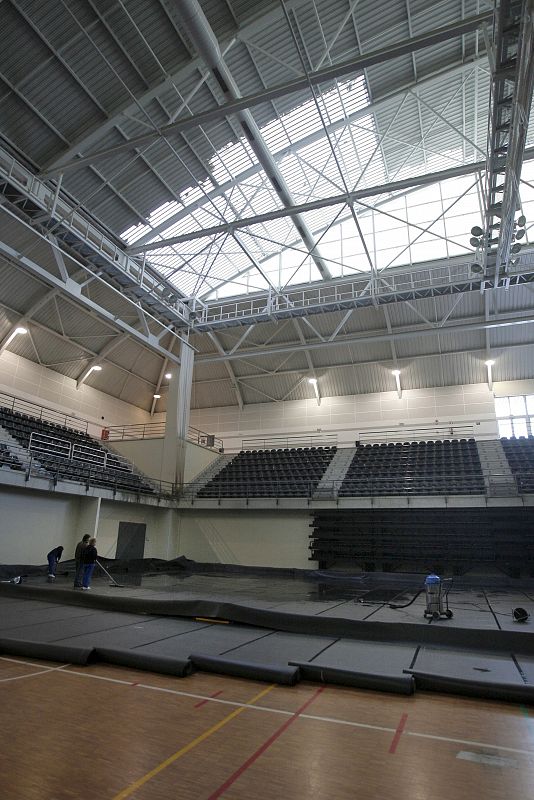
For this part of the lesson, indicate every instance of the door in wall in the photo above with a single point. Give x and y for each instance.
(131, 540)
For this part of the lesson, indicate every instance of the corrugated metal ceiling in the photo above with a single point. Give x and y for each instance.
(90, 61)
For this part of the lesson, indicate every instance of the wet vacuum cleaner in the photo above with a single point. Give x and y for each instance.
(437, 597)
(436, 591)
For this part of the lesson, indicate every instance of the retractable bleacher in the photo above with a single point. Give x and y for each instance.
(520, 456)
(284, 472)
(68, 454)
(451, 466)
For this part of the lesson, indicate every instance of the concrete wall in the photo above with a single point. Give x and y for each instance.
(147, 456)
(348, 416)
(32, 523)
(159, 542)
(29, 381)
(266, 538)
(196, 460)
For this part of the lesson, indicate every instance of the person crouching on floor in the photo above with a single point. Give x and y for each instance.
(89, 556)
(54, 557)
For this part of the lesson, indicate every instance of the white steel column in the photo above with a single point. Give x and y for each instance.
(177, 421)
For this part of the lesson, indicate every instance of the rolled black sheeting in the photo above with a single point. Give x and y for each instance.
(149, 662)
(488, 640)
(46, 651)
(277, 673)
(399, 684)
(512, 692)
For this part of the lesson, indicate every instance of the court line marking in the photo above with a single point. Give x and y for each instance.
(265, 746)
(398, 733)
(33, 674)
(283, 712)
(203, 702)
(183, 750)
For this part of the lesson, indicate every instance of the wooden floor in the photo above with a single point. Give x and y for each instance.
(107, 733)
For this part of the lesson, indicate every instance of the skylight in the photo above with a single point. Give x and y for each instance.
(391, 229)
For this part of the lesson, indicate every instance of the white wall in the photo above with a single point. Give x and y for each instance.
(32, 523)
(159, 542)
(266, 538)
(353, 413)
(196, 460)
(505, 388)
(147, 455)
(29, 381)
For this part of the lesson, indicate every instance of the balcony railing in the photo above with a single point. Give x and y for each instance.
(156, 430)
(42, 412)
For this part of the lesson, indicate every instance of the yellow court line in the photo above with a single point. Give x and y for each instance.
(183, 750)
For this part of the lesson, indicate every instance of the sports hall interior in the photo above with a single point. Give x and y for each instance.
(267, 336)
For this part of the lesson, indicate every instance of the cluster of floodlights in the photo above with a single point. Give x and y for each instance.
(478, 239)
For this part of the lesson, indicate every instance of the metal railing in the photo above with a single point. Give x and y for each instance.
(30, 409)
(86, 231)
(124, 433)
(46, 446)
(156, 430)
(292, 442)
(405, 433)
(64, 471)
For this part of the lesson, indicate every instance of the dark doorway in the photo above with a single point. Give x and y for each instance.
(131, 540)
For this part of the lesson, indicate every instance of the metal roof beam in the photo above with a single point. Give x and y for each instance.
(313, 205)
(229, 369)
(207, 46)
(73, 290)
(505, 320)
(311, 138)
(323, 75)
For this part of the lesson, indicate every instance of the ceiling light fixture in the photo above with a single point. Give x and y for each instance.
(17, 332)
(157, 396)
(168, 375)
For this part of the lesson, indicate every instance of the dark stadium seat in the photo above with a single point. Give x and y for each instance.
(434, 467)
(271, 473)
(67, 454)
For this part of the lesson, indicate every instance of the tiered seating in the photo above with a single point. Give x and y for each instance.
(7, 459)
(436, 467)
(271, 473)
(520, 455)
(86, 463)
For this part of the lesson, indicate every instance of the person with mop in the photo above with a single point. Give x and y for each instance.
(89, 556)
(80, 547)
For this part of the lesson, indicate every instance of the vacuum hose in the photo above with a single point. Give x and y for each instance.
(416, 595)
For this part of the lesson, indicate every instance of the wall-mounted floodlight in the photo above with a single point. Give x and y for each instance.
(489, 365)
(94, 368)
(20, 331)
(313, 382)
(168, 375)
(396, 373)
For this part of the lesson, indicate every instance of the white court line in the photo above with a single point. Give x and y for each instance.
(316, 718)
(31, 674)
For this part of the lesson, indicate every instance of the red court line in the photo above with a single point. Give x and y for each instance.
(398, 733)
(202, 702)
(232, 779)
